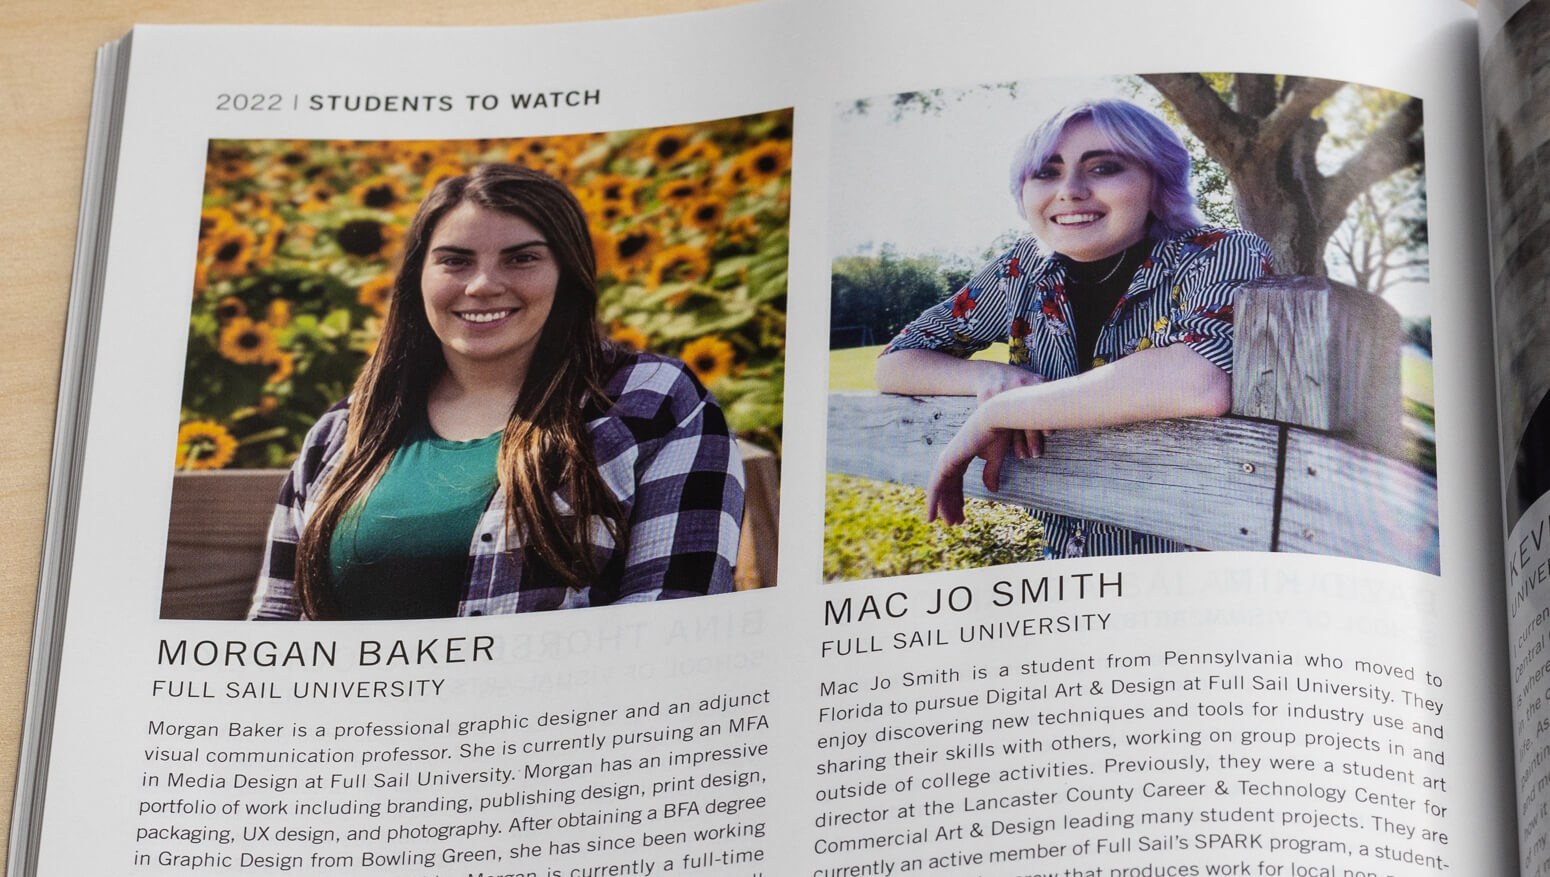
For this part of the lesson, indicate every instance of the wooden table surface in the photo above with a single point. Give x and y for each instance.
(47, 52)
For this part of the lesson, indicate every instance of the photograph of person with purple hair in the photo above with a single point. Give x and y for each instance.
(1104, 188)
(1103, 342)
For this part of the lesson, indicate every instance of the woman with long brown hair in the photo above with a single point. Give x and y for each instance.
(498, 454)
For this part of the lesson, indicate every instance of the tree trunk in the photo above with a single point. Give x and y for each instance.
(1267, 141)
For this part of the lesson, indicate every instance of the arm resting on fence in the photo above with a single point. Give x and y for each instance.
(1202, 481)
(1307, 468)
(1156, 384)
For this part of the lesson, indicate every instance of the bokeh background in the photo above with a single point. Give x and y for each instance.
(298, 242)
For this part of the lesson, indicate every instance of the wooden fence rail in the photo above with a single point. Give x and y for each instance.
(1305, 463)
(1226, 484)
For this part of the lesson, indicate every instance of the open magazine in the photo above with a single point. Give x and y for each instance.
(1014, 439)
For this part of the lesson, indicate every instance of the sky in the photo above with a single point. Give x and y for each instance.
(938, 182)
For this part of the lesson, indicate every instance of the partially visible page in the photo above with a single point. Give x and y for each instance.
(1384, 635)
(1316, 702)
(1514, 97)
(1515, 93)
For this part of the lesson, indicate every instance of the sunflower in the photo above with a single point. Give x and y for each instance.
(573, 144)
(742, 229)
(270, 238)
(610, 212)
(710, 359)
(230, 308)
(278, 314)
(204, 444)
(227, 163)
(368, 238)
(297, 153)
(417, 155)
(703, 151)
(602, 247)
(667, 146)
(529, 147)
(681, 264)
(246, 342)
(230, 253)
(443, 171)
(601, 212)
(706, 213)
(551, 155)
(758, 166)
(629, 336)
(633, 249)
(616, 189)
(214, 221)
(376, 293)
(767, 162)
(284, 366)
(379, 193)
(316, 197)
(678, 191)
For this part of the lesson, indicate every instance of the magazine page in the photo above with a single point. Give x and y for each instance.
(412, 334)
(1514, 90)
(1004, 298)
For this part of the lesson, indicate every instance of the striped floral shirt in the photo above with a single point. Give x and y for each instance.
(1181, 294)
(664, 450)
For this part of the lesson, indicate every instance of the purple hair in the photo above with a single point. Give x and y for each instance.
(1137, 135)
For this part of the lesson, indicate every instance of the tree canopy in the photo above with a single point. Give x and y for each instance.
(1266, 131)
(883, 293)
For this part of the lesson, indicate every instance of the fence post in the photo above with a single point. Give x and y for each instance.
(1309, 351)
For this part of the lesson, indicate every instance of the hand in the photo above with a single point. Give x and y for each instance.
(944, 493)
(997, 379)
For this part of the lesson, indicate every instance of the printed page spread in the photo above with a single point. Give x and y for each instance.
(792, 439)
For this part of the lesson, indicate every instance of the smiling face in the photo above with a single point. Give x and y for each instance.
(489, 283)
(1087, 201)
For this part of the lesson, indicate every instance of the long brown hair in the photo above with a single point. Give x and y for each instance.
(545, 448)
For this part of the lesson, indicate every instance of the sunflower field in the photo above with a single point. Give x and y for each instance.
(298, 242)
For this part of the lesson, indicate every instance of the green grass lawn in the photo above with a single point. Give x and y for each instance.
(851, 369)
(1415, 375)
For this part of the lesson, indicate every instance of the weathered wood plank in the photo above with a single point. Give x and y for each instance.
(215, 541)
(1203, 481)
(1349, 502)
(1311, 352)
(757, 549)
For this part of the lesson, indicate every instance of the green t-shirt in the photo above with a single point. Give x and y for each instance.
(403, 552)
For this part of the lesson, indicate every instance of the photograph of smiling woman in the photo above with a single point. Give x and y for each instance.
(493, 381)
(1119, 270)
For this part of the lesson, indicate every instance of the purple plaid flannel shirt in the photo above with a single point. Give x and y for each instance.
(663, 449)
